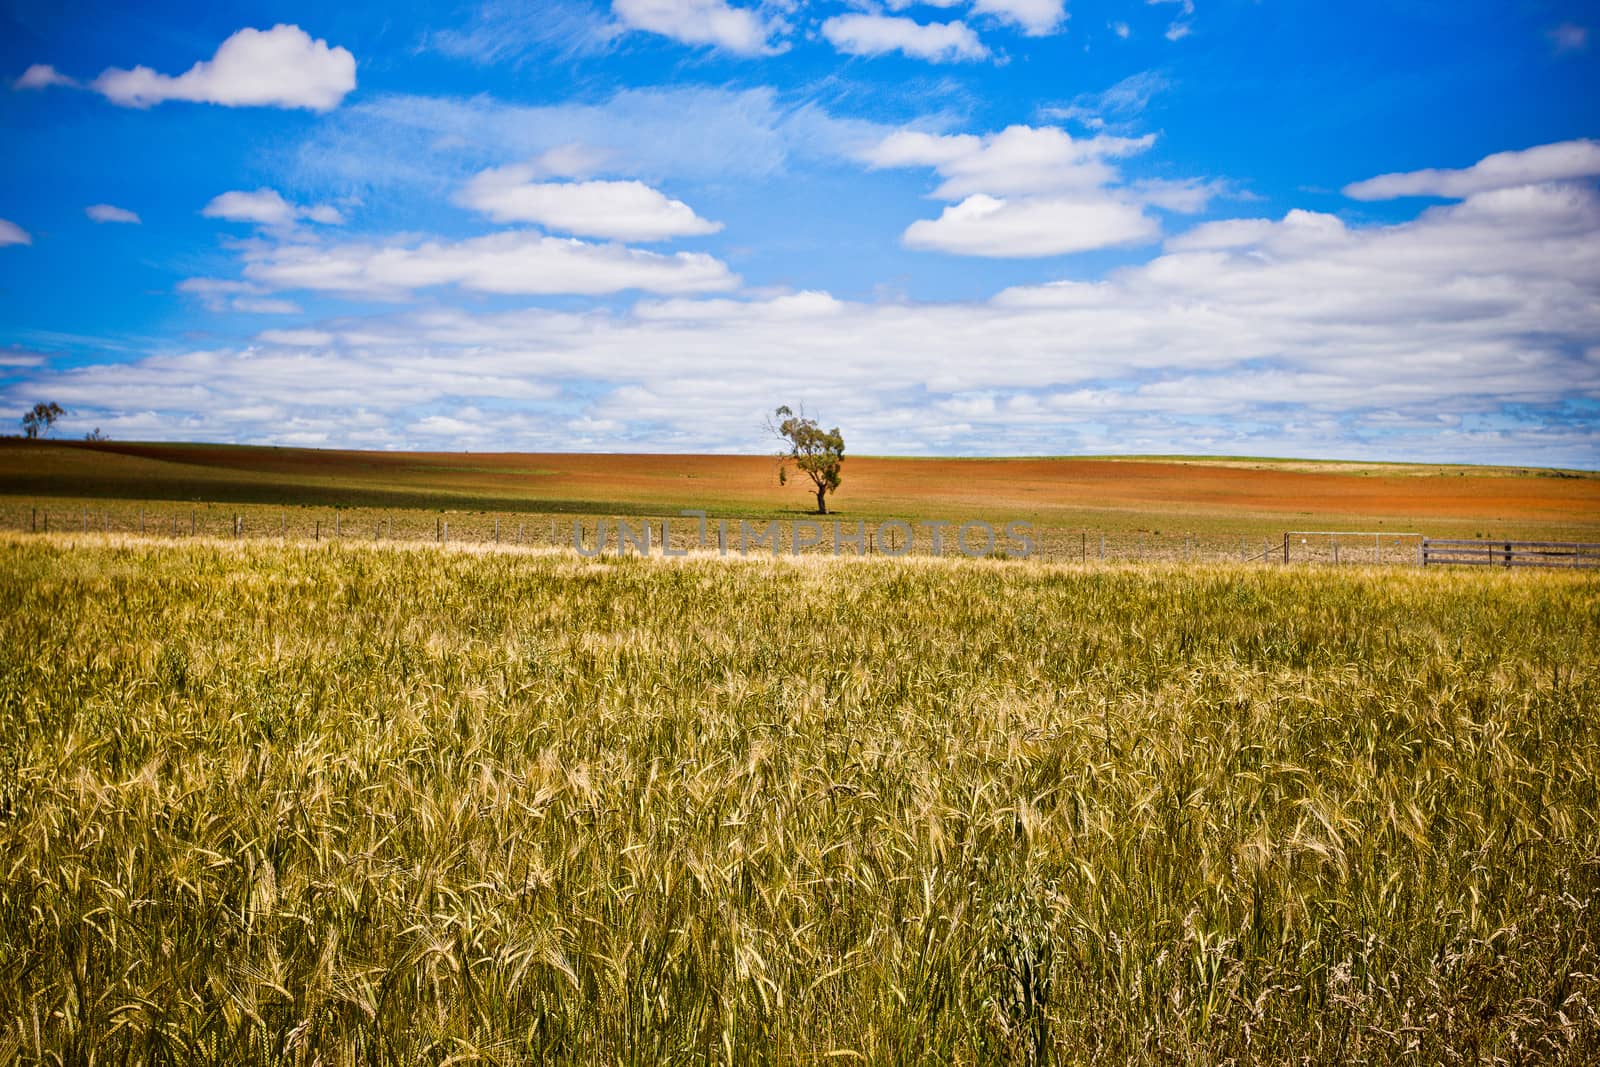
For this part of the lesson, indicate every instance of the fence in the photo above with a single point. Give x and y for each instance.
(1352, 546)
(1566, 554)
(773, 535)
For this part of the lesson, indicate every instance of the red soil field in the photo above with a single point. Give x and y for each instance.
(1117, 492)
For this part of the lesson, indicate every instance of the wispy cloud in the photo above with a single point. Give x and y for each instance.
(1569, 37)
(1545, 163)
(12, 234)
(110, 213)
(42, 76)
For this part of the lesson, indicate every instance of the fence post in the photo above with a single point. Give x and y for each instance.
(283, 525)
(86, 520)
(446, 536)
(1377, 549)
(47, 522)
(1286, 547)
(1422, 551)
(33, 519)
(497, 530)
(519, 533)
(317, 533)
(1083, 546)
(141, 522)
(1102, 548)
(192, 517)
(1336, 551)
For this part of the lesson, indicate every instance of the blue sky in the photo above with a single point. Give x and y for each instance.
(966, 227)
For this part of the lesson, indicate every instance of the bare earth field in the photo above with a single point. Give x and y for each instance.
(1221, 497)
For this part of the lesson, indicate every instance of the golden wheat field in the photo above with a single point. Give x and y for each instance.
(267, 803)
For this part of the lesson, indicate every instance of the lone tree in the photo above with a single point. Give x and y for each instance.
(815, 451)
(42, 417)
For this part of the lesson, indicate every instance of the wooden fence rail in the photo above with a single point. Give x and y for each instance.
(1511, 553)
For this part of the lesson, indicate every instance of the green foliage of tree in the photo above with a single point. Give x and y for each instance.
(815, 452)
(41, 418)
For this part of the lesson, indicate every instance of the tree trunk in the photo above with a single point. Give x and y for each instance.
(822, 501)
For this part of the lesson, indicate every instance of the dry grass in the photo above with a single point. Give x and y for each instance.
(309, 804)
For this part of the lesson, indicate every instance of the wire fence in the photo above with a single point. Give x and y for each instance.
(594, 535)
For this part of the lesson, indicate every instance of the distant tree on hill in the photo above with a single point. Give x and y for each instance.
(42, 417)
(95, 435)
(815, 452)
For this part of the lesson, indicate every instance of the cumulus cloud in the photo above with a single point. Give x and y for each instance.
(1032, 191)
(280, 67)
(1031, 226)
(622, 210)
(712, 23)
(1037, 18)
(1471, 332)
(512, 262)
(12, 234)
(267, 207)
(876, 35)
(110, 213)
(42, 76)
(1545, 163)
(1017, 160)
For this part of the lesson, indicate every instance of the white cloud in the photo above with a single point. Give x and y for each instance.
(42, 76)
(500, 31)
(1184, 196)
(702, 22)
(510, 262)
(1228, 233)
(1121, 30)
(876, 35)
(280, 67)
(1030, 191)
(1562, 161)
(1298, 335)
(1031, 226)
(623, 210)
(110, 213)
(1471, 332)
(1036, 17)
(219, 294)
(267, 207)
(12, 234)
(1017, 160)
(1120, 104)
(687, 133)
(297, 338)
(1179, 27)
